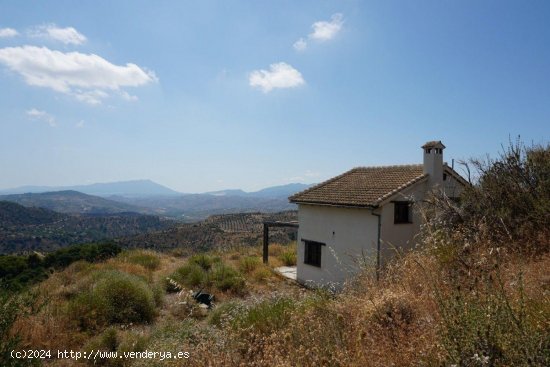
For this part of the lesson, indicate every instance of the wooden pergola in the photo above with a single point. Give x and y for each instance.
(267, 224)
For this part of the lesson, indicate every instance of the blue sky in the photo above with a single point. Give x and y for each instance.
(209, 95)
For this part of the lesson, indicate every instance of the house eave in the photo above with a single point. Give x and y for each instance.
(333, 205)
(391, 196)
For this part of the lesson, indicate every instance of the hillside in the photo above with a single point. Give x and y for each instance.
(13, 214)
(218, 232)
(72, 202)
(25, 229)
(281, 192)
(194, 207)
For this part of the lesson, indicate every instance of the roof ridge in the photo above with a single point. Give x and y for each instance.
(388, 166)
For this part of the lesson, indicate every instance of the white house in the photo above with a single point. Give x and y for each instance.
(364, 214)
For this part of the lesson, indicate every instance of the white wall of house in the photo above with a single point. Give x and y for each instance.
(351, 234)
(404, 236)
(401, 236)
(348, 233)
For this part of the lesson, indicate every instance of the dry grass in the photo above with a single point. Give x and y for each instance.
(403, 319)
(398, 321)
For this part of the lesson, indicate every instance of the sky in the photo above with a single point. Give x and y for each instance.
(210, 95)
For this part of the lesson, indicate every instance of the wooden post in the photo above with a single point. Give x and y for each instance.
(266, 242)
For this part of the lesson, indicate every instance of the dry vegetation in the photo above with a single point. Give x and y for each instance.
(475, 294)
(129, 302)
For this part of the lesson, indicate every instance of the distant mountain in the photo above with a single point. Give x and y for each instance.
(193, 207)
(131, 196)
(71, 202)
(135, 188)
(230, 192)
(282, 191)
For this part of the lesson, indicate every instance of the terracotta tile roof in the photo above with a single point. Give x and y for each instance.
(361, 186)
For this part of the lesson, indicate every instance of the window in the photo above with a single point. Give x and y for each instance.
(444, 177)
(402, 212)
(312, 255)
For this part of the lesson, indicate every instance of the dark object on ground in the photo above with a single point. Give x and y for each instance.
(203, 298)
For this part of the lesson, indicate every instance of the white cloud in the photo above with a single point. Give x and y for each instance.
(127, 96)
(68, 35)
(92, 97)
(280, 75)
(80, 124)
(35, 114)
(324, 31)
(87, 77)
(300, 45)
(8, 32)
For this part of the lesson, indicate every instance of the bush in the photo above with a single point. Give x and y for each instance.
(225, 278)
(261, 274)
(494, 328)
(147, 259)
(114, 297)
(204, 261)
(222, 314)
(266, 316)
(276, 249)
(248, 264)
(288, 257)
(90, 252)
(190, 275)
(10, 309)
(112, 340)
(509, 203)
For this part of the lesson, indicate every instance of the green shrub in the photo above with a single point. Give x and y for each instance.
(147, 259)
(190, 275)
(114, 297)
(266, 316)
(507, 205)
(90, 252)
(225, 278)
(261, 274)
(10, 309)
(494, 327)
(204, 261)
(248, 264)
(222, 314)
(112, 340)
(288, 257)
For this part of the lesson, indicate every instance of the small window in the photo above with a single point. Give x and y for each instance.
(402, 212)
(312, 255)
(444, 177)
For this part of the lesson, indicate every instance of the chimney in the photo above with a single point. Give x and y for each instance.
(433, 162)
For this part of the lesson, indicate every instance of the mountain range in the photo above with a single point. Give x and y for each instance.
(148, 197)
(134, 188)
(148, 188)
